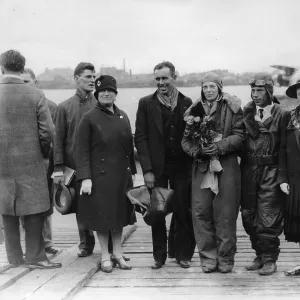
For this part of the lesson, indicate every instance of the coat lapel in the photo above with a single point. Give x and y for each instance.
(156, 113)
(297, 136)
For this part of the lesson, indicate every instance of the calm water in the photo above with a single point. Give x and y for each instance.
(128, 99)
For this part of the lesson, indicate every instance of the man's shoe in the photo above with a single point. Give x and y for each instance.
(225, 268)
(184, 264)
(269, 268)
(46, 264)
(51, 250)
(257, 264)
(207, 269)
(16, 264)
(157, 265)
(84, 253)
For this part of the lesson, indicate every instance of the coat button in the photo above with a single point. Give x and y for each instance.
(102, 172)
(128, 169)
(102, 159)
(127, 156)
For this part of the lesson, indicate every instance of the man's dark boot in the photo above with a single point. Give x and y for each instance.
(269, 268)
(157, 265)
(255, 265)
(225, 268)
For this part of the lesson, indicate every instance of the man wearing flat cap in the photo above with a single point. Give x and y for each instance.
(158, 135)
(262, 198)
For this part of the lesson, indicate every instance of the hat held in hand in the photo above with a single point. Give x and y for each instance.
(153, 204)
(63, 197)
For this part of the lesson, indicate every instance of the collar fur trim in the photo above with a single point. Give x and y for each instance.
(233, 102)
(251, 125)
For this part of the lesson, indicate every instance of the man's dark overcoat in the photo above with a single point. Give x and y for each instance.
(149, 138)
(68, 116)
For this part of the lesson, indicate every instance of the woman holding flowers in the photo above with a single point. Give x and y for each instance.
(214, 136)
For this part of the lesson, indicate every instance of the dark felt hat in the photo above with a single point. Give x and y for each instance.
(105, 82)
(63, 197)
(292, 90)
(153, 204)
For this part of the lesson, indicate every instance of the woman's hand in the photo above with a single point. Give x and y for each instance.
(86, 186)
(210, 150)
(285, 188)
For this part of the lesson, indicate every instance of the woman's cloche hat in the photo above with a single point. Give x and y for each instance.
(292, 90)
(105, 82)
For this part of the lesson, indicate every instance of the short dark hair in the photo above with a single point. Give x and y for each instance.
(83, 66)
(30, 72)
(12, 60)
(166, 64)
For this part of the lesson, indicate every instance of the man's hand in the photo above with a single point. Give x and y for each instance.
(58, 179)
(285, 188)
(86, 187)
(149, 180)
(210, 150)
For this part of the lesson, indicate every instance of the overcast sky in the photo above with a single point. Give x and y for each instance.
(196, 35)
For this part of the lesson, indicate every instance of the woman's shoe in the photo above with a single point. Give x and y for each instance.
(120, 262)
(106, 266)
(293, 272)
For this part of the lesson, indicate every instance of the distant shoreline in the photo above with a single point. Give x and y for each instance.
(48, 86)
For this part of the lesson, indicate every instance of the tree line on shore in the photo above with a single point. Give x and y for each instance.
(62, 78)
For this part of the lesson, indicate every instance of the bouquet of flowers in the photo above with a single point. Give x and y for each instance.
(203, 133)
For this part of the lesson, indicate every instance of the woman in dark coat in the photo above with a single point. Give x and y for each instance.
(289, 170)
(105, 167)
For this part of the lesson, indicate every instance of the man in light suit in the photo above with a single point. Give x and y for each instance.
(26, 131)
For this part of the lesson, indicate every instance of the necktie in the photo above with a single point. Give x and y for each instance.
(261, 113)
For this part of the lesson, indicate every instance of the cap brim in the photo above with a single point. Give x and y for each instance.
(62, 198)
(292, 90)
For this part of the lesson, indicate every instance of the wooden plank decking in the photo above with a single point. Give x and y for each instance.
(172, 282)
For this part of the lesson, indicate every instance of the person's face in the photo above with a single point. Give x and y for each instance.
(210, 90)
(298, 94)
(107, 97)
(260, 96)
(164, 80)
(86, 80)
(28, 79)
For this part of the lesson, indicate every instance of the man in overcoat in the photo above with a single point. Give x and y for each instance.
(26, 131)
(158, 135)
(262, 200)
(29, 77)
(69, 113)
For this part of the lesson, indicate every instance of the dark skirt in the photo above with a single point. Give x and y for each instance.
(292, 211)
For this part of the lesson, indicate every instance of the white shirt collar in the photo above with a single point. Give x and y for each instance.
(266, 112)
(266, 108)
